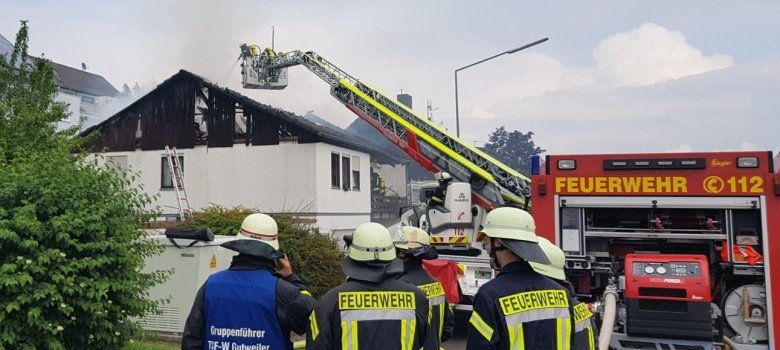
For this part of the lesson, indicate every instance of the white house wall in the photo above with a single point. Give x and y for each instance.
(74, 107)
(341, 211)
(282, 178)
(94, 113)
(270, 178)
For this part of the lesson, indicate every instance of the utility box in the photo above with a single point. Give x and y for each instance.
(191, 265)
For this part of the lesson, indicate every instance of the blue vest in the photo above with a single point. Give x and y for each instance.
(240, 309)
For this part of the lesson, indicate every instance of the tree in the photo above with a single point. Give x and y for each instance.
(126, 92)
(72, 253)
(514, 148)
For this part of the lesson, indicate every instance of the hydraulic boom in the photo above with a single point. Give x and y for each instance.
(493, 183)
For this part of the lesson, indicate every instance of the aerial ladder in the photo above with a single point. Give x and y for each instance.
(493, 184)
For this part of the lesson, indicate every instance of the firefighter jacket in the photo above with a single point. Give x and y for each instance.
(584, 328)
(438, 195)
(374, 316)
(247, 305)
(442, 319)
(520, 309)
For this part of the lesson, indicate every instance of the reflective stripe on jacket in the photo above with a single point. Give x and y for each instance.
(520, 309)
(363, 315)
(584, 330)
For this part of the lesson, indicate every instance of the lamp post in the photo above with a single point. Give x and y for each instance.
(457, 116)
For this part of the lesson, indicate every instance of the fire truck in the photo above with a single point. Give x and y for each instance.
(685, 241)
(671, 249)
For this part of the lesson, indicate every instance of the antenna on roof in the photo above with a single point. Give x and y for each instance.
(430, 110)
(84, 66)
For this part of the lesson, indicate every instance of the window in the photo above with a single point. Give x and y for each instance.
(166, 181)
(335, 170)
(356, 173)
(345, 170)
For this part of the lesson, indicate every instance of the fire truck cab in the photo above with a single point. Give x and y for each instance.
(685, 240)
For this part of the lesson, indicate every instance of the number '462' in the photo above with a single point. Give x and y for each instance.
(753, 184)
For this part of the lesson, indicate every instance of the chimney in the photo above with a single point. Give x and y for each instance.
(406, 99)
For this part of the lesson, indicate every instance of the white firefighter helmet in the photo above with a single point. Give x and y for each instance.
(557, 259)
(443, 176)
(258, 236)
(260, 227)
(411, 237)
(416, 242)
(371, 254)
(516, 230)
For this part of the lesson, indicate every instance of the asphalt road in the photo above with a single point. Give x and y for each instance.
(458, 340)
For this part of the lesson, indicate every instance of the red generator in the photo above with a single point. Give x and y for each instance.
(668, 296)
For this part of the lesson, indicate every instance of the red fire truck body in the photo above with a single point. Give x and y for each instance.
(723, 207)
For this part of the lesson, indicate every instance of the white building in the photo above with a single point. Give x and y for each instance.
(235, 151)
(87, 94)
(5, 46)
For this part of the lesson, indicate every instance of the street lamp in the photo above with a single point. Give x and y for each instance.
(457, 116)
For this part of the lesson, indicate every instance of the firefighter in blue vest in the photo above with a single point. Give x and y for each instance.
(254, 304)
(413, 246)
(371, 310)
(584, 328)
(519, 308)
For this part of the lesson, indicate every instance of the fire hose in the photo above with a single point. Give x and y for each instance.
(608, 319)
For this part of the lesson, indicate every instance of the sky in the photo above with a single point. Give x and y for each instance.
(615, 76)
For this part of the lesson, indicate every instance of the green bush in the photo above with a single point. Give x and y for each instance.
(316, 258)
(219, 219)
(70, 268)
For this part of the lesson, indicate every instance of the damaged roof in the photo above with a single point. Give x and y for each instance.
(184, 86)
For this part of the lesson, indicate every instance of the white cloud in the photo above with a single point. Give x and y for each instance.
(625, 63)
(651, 54)
(649, 91)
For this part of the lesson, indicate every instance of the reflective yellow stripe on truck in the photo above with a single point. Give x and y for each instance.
(427, 138)
(468, 146)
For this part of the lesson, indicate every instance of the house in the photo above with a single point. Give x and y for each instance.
(388, 169)
(5, 46)
(236, 151)
(87, 94)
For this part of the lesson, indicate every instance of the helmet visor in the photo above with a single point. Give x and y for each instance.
(529, 251)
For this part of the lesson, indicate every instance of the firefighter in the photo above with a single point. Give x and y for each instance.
(412, 248)
(519, 308)
(444, 179)
(371, 310)
(258, 300)
(584, 327)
